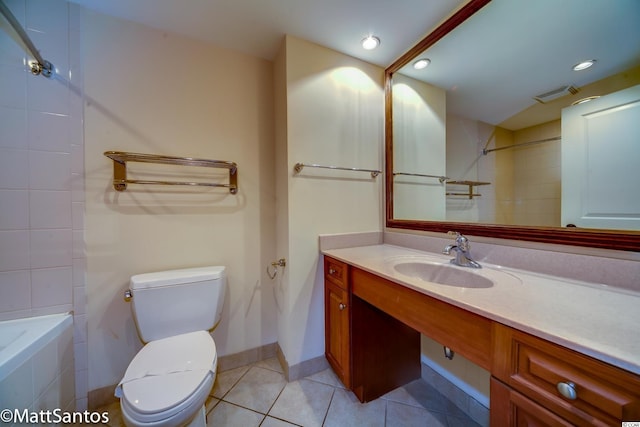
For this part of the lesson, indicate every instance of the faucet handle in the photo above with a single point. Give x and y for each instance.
(461, 240)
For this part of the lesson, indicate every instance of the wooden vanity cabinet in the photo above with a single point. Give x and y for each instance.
(337, 308)
(371, 352)
(527, 372)
(373, 328)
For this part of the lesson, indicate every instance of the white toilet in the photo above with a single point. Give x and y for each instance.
(168, 381)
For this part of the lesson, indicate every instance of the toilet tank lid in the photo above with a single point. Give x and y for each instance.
(176, 277)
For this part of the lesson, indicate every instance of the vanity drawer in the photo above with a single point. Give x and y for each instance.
(602, 394)
(336, 272)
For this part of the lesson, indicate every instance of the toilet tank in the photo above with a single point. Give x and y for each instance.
(174, 302)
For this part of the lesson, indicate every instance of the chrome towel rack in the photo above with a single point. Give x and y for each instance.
(440, 177)
(299, 166)
(120, 159)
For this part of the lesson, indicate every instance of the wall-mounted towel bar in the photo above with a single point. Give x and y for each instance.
(470, 185)
(120, 159)
(440, 177)
(298, 168)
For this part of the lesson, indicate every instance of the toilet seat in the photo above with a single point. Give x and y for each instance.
(169, 379)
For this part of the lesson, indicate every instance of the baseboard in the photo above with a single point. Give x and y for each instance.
(302, 369)
(247, 357)
(476, 410)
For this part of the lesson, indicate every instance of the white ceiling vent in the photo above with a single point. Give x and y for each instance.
(556, 93)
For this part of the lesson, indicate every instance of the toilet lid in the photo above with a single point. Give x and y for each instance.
(166, 372)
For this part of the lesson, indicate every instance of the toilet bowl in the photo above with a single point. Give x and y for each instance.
(168, 381)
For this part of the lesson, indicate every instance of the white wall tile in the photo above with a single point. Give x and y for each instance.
(49, 171)
(51, 248)
(77, 187)
(77, 215)
(79, 300)
(51, 286)
(80, 328)
(15, 290)
(49, 95)
(13, 82)
(46, 16)
(13, 122)
(14, 250)
(50, 209)
(77, 159)
(80, 356)
(14, 169)
(78, 244)
(79, 272)
(14, 205)
(48, 132)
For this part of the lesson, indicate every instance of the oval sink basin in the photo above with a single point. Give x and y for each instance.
(442, 274)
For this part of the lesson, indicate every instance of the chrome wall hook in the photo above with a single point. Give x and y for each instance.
(275, 264)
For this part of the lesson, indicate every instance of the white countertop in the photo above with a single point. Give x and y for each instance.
(597, 320)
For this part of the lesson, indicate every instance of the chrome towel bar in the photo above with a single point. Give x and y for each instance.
(440, 177)
(299, 166)
(120, 159)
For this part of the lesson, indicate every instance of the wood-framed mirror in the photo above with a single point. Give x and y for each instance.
(409, 183)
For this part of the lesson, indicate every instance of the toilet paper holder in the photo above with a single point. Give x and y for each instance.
(275, 264)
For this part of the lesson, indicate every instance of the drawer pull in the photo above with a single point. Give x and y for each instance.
(332, 271)
(342, 306)
(568, 390)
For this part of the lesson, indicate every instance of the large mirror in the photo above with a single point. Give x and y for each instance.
(493, 137)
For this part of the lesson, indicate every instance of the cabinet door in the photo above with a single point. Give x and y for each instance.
(602, 395)
(510, 408)
(337, 330)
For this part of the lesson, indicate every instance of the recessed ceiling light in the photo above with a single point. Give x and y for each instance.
(421, 63)
(370, 42)
(583, 100)
(584, 65)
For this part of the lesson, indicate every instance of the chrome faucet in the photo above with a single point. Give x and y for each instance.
(463, 257)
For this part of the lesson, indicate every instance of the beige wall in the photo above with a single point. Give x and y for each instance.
(152, 92)
(334, 116)
(419, 147)
(537, 176)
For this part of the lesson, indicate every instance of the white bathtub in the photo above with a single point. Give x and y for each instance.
(36, 362)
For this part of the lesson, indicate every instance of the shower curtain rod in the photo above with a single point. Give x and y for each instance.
(42, 66)
(486, 151)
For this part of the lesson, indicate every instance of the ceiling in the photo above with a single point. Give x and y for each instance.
(257, 27)
(513, 50)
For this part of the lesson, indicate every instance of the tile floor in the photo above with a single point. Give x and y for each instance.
(258, 395)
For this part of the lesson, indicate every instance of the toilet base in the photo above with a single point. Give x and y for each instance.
(200, 420)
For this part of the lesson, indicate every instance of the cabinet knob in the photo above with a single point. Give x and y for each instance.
(332, 271)
(568, 390)
(342, 306)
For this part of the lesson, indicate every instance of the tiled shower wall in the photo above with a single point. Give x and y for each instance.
(42, 261)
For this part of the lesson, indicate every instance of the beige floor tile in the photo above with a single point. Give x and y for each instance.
(257, 389)
(271, 363)
(210, 403)
(226, 414)
(326, 377)
(303, 402)
(226, 380)
(274, 422)
(419, 394)
(346, 411)
(400, 415)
